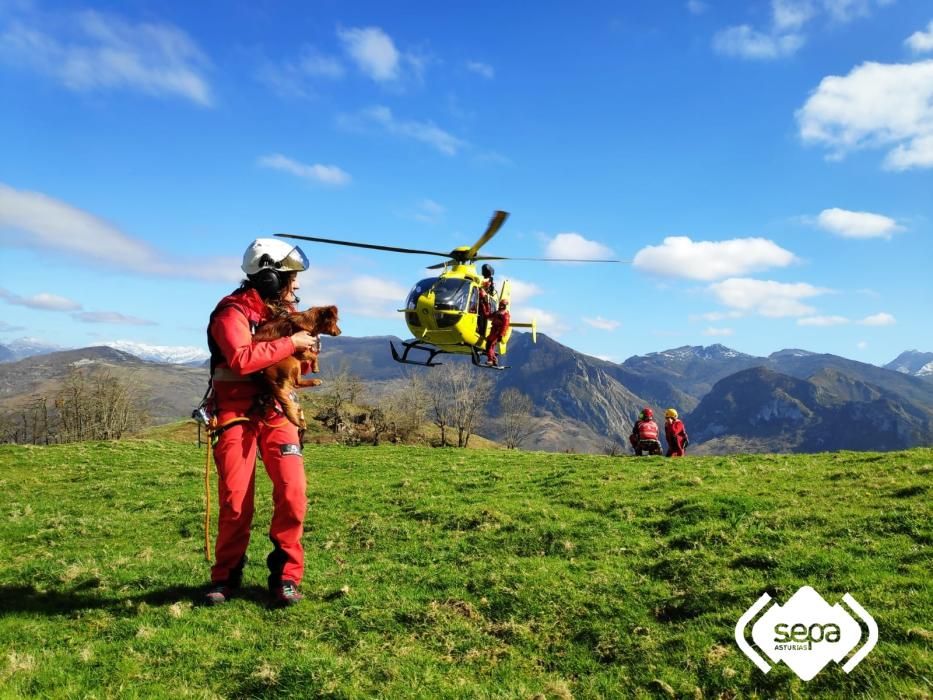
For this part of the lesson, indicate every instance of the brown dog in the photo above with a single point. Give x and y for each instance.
(284, 376)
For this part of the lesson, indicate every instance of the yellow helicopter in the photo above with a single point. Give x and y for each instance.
(443, 313)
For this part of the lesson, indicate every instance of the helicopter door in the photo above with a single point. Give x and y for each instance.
(473, 304)
(506, 292)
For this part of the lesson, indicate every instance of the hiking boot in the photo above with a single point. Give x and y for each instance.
(219, 593)
(287, 594)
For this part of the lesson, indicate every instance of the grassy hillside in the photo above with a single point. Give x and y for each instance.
(446, 573)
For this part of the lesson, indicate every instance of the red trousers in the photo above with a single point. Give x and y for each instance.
(495, 336)
(235, 456)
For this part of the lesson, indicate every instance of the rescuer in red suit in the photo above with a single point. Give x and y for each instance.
(271, 268)
(501, 320)
(644, 437)
(675, 433)
(487, 299)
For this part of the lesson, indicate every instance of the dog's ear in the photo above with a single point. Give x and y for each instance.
(307, 320)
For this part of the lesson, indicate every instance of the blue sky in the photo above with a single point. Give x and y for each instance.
(767, 166)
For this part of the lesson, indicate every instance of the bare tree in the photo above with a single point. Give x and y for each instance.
(614, 447)
(402, 409)
(516, 417)
(95, 405)
(339, 393)
(458, 397)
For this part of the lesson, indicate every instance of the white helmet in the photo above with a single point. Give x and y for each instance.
(273, 253)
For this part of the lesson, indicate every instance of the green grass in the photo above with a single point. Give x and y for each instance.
(461, 574)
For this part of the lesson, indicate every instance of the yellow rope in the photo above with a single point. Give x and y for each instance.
(207, 499)
(212, 428)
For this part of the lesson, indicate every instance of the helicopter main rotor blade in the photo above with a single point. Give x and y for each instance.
(438, 266)
(575, 260)
(495, 223)
(371, 246)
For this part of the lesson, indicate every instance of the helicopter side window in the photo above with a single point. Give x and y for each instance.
(472, 305)
(416, 291)
(451, 294)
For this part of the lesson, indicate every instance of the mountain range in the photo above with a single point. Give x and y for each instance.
(175, 355)
(792, 400)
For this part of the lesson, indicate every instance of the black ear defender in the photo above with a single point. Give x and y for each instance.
(268, 282)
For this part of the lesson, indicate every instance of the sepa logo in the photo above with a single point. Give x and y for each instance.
(806, 633)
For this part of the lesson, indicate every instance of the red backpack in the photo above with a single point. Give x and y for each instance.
(647, 430)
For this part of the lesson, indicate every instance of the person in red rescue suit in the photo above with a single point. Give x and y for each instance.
(271, 266)
(645, 434)
(500, 326)
(487, 298)
(676, 434)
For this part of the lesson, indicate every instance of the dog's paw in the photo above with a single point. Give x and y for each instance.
(316, 382)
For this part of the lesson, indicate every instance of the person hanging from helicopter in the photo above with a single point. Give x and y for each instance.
(644, 437)
(487, 299)
(500, 321)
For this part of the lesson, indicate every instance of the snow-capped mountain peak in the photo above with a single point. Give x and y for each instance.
(170, 354)
(913, 362)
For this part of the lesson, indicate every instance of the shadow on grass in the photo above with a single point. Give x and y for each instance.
(14, 599)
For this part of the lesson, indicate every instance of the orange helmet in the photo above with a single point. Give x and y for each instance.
(647, 413)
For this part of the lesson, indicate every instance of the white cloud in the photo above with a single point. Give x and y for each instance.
(429, 211)
(857, 224)
(425, 132)
(373, 51)
(921, 42)
(696, 7)
(847, 10)
(296, 78)
(716, 316)
(324, 174)
(523, 291)
(603, 324)
(10, 328)
(101, 51)
(875, 106)
(766, 297)
(576, 247)
(111, 317)
(679, 256)
(483, 69)
(744, 42)
(718, 332)
(789, 18)
(880, 319)
(35, 220)
(42, 301)
(861, 345)
(791, 14)
(822, 321)
(547, 322)
(362, 295)
(320, 65)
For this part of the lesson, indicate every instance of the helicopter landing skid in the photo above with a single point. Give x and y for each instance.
(403, 358)
(475, 356)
